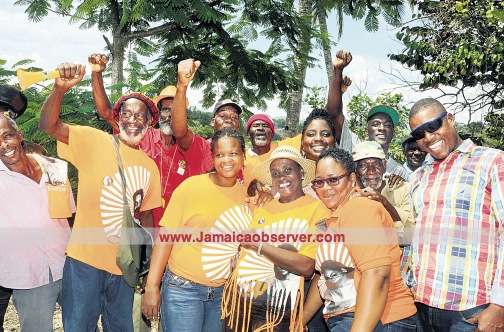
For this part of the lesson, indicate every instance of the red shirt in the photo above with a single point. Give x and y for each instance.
(174, 164)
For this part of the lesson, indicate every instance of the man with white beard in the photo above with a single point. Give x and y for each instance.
(177, 157)
(93, 283)
(260, 130)
(370, 166)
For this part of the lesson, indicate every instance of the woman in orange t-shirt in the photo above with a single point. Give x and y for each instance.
(360, 278)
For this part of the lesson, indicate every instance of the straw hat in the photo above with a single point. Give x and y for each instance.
(262, 170)
(367, 149)
(168, 92)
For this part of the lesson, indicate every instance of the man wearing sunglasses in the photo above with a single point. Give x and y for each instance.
(414, 156)
(458, 203)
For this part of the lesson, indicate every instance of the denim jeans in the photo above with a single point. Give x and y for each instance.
(5, 294)
(189, 307)
(317, 323)
(440, 320)
(35, 306)
(89, 292)
(341, 323)
(406, 324)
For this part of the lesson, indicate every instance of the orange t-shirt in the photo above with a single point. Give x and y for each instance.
(97, 227)
(200, 208)
(371, 240)
(295, 142)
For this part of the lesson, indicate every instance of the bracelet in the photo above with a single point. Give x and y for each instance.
(259, 249)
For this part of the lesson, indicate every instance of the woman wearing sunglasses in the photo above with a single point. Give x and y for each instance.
(377, 299)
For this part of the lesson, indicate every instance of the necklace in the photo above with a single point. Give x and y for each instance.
(163, 202)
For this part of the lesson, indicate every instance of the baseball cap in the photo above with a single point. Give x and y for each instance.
(367, 149)
(262, 117)
(390, 111)
(408, 140)
(13, 99)
(227, 102)
(167, 92)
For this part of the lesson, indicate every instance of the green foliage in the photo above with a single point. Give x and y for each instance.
(358, 109)
(77, 108)
(215, 32)
(459, 44)
(316, 97)
(493, 133)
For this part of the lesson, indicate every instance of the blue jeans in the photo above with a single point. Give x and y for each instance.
(89, 292)
(406, 324)
(189, 307)
(440, 320)
(341, 323)
(35, 306)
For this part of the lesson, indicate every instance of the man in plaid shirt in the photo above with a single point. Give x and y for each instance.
(458, 204)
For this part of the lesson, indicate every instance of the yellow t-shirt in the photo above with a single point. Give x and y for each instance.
(257, 278)
(97, 227)
(211, 215)
(295, 142)
(252, 161)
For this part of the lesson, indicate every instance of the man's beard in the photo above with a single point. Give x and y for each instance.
(165, 127)
(260, 140)
(131, 140)
(374, 186)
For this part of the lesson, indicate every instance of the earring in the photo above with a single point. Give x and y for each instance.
(353, 184)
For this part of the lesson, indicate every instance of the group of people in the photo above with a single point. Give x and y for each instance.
(335, 235)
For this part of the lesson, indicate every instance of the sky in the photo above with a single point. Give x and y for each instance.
(54, 40)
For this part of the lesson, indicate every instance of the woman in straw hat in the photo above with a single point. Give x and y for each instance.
(360, 278)
(265, 291)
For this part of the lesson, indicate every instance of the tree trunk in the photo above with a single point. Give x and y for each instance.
(300, 65)
(326, 45)
(118, 47)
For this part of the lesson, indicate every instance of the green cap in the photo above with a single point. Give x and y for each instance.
(390, 111)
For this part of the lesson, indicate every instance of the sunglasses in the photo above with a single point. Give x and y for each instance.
(429, 126)
(332, 181)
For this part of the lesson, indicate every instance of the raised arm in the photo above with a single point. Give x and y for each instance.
(186, 70)
(98, 63)
(334, 104)
(50, 122)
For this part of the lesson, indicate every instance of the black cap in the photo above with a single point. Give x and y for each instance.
(13, 99)
(408, 140)
(227, 102)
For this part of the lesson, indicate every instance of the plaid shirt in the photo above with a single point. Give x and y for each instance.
(458, 206)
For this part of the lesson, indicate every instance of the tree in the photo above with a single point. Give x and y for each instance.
(216, 32)
(357, 118)
(77, 108)
(315, 12)
(457, 43)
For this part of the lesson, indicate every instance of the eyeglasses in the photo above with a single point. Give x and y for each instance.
(429, 126)
(332, 181)
(139, 117)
